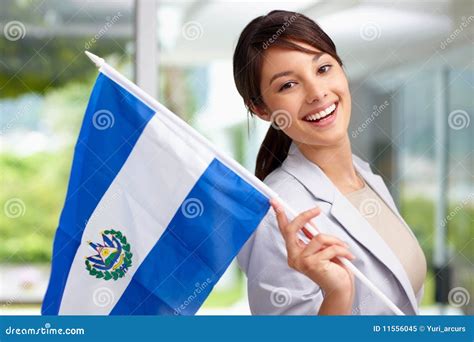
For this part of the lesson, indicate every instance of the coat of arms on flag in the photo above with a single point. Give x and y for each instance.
(113, 256)
(151, 210)
(186, 209)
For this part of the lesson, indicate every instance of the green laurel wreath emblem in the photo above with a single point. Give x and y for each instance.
(126, 264)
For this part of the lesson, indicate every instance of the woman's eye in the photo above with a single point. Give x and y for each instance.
(287, 85)
(324, 68)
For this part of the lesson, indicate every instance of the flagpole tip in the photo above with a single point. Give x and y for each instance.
(96, 59)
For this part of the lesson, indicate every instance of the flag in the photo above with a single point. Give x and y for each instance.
(153, 216)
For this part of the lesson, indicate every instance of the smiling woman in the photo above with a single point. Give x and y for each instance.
(288, 73)
(255, 79)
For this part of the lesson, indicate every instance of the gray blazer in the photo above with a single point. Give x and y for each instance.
(276, 289)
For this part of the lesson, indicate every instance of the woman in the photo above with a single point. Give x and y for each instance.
(288, 73)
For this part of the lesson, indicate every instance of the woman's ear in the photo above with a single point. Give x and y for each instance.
(261, 111)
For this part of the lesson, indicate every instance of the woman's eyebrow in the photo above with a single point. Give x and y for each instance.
(317, 56)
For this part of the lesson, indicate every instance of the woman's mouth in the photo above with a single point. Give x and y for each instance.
(324, 117)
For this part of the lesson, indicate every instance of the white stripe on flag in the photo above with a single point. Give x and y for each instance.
(143, 199)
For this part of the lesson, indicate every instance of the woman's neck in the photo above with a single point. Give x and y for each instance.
(336, 163)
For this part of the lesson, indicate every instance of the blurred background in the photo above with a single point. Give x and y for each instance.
(411, 72)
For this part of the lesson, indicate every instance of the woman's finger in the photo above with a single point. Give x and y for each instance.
(280, 213)
(334, 251)
(298, 224)
(321, 241)
(293, 246)
(302, 219)
(290, 240)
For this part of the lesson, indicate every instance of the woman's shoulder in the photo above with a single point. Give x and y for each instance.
(292, 190)
(283, 182)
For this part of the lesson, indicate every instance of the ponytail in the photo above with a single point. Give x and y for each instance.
(272, 153)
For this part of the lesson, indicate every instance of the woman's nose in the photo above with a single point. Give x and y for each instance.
(315, 92)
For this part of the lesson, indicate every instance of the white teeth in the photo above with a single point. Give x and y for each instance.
(322, 113)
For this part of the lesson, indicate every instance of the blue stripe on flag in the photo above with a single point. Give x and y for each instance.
(206, 233)
(112, 124)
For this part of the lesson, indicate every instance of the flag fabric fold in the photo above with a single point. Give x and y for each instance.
(152, 216)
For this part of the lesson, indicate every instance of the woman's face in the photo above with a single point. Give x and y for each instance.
(300, 92)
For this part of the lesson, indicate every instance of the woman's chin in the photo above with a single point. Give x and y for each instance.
(326, 138)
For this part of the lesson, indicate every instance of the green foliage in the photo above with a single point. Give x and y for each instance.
(39, 183)
(221, 298)
(64, 108)
(23, 71)
(419, 215)
(38, 63)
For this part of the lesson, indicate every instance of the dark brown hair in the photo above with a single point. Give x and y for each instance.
(277, 28)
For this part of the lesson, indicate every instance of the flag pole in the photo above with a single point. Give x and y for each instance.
(247, 175)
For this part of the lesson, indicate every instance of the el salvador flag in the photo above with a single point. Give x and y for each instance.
(152, 217)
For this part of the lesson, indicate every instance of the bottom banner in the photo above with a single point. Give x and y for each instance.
(237, 328)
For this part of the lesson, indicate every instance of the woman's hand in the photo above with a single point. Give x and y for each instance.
(318, 259)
